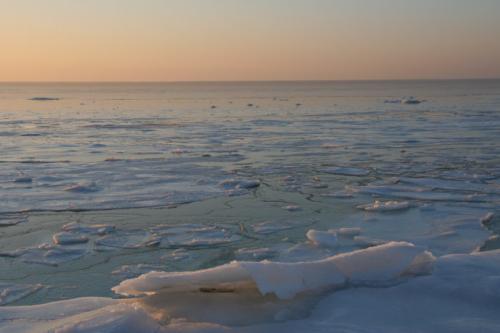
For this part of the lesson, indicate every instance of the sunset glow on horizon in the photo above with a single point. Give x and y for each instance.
(212, 40)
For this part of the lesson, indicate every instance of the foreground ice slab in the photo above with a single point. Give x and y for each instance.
(286, 280)
(459, 294)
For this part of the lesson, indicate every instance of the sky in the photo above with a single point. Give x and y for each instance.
(240, 40)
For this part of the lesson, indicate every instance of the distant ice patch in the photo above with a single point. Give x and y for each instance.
(405, 100)
(237, 184)
(385, 206)
(43, 99)
(83, 187)
(346, 171)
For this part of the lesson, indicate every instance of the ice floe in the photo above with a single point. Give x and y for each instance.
(44, 99)
(231, 184)
(270, 227)
(23, 179)
(487, 218)
(346, 171)
(7, 220)
(455, 293)
(83, 187)
(292, 208)
(323, 238)
(194, 235)
(131, 271)
(255, 254)
(287, 280)
(92, 229)
(406, 100)
(10, 293)
(348, 232)
(68, 238)
(385, 206)
(46, 254)
(127, 239)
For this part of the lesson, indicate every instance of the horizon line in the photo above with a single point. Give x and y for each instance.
(248, 81)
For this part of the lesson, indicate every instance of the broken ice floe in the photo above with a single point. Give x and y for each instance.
(286, 280)
(92, 229)
(46, 254)
(487, 218)
(348, 232)
(131, 271)
(292, 208)
(7, 220)
(10, 292)
(270, 227)
(68, 238)
(346, 171)
(255, 254)
(129, 239)
(335, 238)
(83, 187)
(406, 100)
(265, 297)
(23, 179)
(238, 184)
(322, 238)
(177, 235)
(387, 206)
(43, 99)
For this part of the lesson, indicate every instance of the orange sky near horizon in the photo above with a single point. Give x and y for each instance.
(212, 40)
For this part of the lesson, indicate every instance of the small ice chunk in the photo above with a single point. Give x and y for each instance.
(44, 99)
(487, 218)
(270, 227)
(231, 184)
(379, 206)
(83, 187)
(367, 242)
(10, 220)
(93, 229)
(193, 235)
(13, 292)
(131, 271)
(292, 208)
(132, 239)
(406, 100)
(68, 238)
(255, 254)
(178, 255)
(348, 232)
(46, 254)
(339, 194)
(322, 238)
(346, 171)
(23, 179)
(179, 151)
(410, 100)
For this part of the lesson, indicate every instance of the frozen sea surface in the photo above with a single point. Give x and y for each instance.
(305, 206)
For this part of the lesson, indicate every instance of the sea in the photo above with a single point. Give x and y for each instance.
(342, 206)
